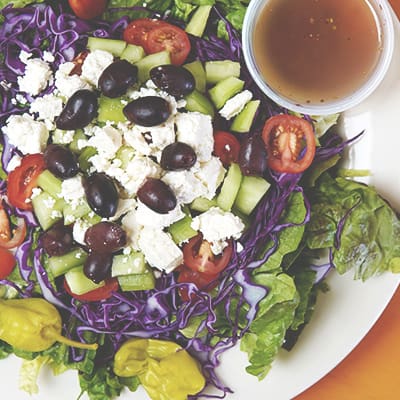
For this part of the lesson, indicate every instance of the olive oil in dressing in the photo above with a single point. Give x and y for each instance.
(313, 51)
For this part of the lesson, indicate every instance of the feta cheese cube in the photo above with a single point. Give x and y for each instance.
(48, 108)
(196, 130)
(235, 104)
(159, 250)
(14, 163)
(147, 217)
(94, 65)
(67, 84)
(217, 226)
(37, 76)
(132, 228)
(72, 190)
(28, 135)
(79, 229)
(211, 174)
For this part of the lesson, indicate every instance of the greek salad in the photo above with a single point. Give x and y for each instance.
(156, 208)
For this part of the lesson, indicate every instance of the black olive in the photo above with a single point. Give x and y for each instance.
(79, 111)
(101, 194)
(117, 78)
(173, 79)
(105, 237)
(60, 161)
(177, 156)
(148, 111)
(97, 266)
(157, 195)
(253, 156)
(57, 240)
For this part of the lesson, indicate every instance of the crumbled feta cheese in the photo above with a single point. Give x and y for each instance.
(56, 214)
(196, 130)
(137, 170)
(132, 228)
(49, 202)
(149, 141)
(79, 229)
(14, 163)
(217, 226)
(35, 192)
(185, 185)
(28, 135)
(107, 140)
(94, 65)
(36, 77)
(24, 56)
(48, 108)
(48, 57)
(72, 190)
(67, 84)
(235, 104)
(211, 174)
(147, 217)
(60, 136)
(159, 250)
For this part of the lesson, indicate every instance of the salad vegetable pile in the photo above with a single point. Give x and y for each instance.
(156, 208)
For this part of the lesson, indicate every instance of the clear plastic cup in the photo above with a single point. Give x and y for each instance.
(386, 30)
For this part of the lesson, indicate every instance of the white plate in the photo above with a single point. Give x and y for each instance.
(343, 316)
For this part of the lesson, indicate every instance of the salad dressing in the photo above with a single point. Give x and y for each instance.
(313, 51)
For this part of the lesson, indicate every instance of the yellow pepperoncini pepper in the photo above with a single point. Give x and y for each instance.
(33, 324)
(165, 370)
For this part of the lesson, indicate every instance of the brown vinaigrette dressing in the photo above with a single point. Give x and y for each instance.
(314, 51)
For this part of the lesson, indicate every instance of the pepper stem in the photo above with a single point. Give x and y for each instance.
(50, 333)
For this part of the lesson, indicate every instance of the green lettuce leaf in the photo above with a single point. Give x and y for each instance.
(267, 332)
(29, 373)
(370, 239)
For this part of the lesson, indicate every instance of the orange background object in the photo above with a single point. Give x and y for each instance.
(372, 370)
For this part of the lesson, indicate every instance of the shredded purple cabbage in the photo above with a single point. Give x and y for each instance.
(156, 313)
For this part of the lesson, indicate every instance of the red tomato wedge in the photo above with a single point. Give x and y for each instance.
(171, 38)
(8, 239)
(101, 293)
(226, 147)
(88, 9)
(23, 179)
(137, 31)
(197, 256)
(7, 263)
(290, 143)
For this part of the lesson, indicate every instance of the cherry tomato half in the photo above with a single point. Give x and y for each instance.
(290, 143)
(23, 179)
(7, 263)
(88, 9)
(101, 293)
(197, 256)
(171, 38)
(226, 147)
(137, 31)
(202, 281)
(18, 234)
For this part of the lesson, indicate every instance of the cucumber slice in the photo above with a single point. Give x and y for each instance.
(217, 71)
(48, 210)
(243, 121)
(152, 60)
(250, 193)
(59, 265)
(202, 204)
(230, 187)
(198, 21)
(196, 101)
(132, 53)
(113, 46)
(181, 231)
(83, 159)
(224, 90)
(133, 263)
(199, 73)
(145, 281)
(74, 212)
(110, 109)
(125, 154)
(73, 146)
(79, 283)
(49, 183)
